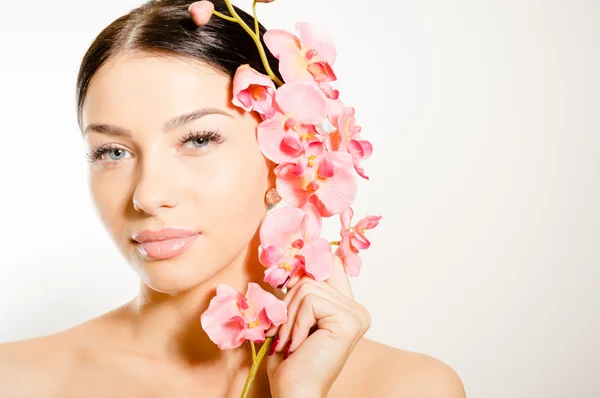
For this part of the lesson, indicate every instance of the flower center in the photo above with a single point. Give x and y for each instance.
(311, 160)
(257, 92)
(310, 54)
(298, 244)
(290, 123)
(254, 324)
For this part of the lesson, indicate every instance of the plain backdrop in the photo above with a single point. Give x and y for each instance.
(485, 119)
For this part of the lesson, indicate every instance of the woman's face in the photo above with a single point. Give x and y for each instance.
(152, 167)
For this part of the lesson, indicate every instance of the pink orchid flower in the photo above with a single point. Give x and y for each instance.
(253, 91)
(346, 138)
(290, 245)
(354, 240)
(321, 178)
(302, 105)
(232, 318)
(309, 57)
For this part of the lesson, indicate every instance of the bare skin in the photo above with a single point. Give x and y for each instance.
(87, 361)
(152, 178)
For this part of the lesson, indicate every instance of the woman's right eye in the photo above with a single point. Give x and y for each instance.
(108, 154)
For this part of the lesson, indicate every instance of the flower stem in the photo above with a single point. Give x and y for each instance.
(255, 365)
(253, 351)
(218, 14)
(255, 36)
(256, 30)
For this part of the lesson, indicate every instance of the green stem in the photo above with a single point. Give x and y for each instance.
(218, 14)
(256, 39)
(253, 351)
(256, 30)
(255, 365)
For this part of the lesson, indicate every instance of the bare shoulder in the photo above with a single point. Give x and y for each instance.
(41, 366)
(385, 371)
(33, 366)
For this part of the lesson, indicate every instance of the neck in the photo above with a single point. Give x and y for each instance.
(168, 326)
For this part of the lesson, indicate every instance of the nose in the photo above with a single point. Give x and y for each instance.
(155, 189)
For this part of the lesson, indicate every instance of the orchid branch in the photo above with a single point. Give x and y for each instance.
(256, 30)
(255, 37)
(253, 351)
(228, 18)
(255, 365)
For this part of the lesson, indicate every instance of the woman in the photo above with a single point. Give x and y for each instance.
(172, 160)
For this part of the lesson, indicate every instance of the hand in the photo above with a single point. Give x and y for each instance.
(315, 360)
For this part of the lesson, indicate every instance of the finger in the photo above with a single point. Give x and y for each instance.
(294, 280)
(314, 310)
(306, 319)
(201, 11)
(294, 290)
(273, 362)
(339, 278)
(298, 289)
(285, 330)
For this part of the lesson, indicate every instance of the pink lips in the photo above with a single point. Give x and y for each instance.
(165, 243)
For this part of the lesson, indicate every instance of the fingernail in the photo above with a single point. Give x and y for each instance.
(284, 283)
(286, 353)
(273, 345)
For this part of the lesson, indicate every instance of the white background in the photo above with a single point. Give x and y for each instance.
(485, 118)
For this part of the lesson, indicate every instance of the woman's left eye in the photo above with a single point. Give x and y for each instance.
(201, 140)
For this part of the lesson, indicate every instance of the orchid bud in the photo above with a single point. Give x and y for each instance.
(201, 11)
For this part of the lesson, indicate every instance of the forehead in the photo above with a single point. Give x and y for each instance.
(131, 89)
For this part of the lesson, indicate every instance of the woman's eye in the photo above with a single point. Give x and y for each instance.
(199, 142)
(108, 154)
(116, 154)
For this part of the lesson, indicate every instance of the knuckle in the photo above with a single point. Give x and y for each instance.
(365, 313)
(305, 288)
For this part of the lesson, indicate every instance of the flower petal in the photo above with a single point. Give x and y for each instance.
(270, 138)
(314, 222)
(246, 76)
(222, 321)
(291, 187)
(335, 194)
(271, 255)
(278, 41)
(352, 261)
(318, 259)
(346, 219)
(360, 149)
(276, 309)
(315, 38)
(293, 67)
(303, 101)
(281, 227)
(276, 275)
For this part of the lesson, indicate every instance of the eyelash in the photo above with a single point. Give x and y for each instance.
(212, 136)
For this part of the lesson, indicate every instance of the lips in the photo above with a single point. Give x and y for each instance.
(165, 243)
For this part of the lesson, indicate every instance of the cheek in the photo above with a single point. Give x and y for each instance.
(235, 193)
(109, 200)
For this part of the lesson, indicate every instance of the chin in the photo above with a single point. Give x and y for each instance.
(176, 275)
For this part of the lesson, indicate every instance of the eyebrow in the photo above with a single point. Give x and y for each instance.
(169, 125)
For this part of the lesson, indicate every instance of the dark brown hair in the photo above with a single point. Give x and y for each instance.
(165, 27)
